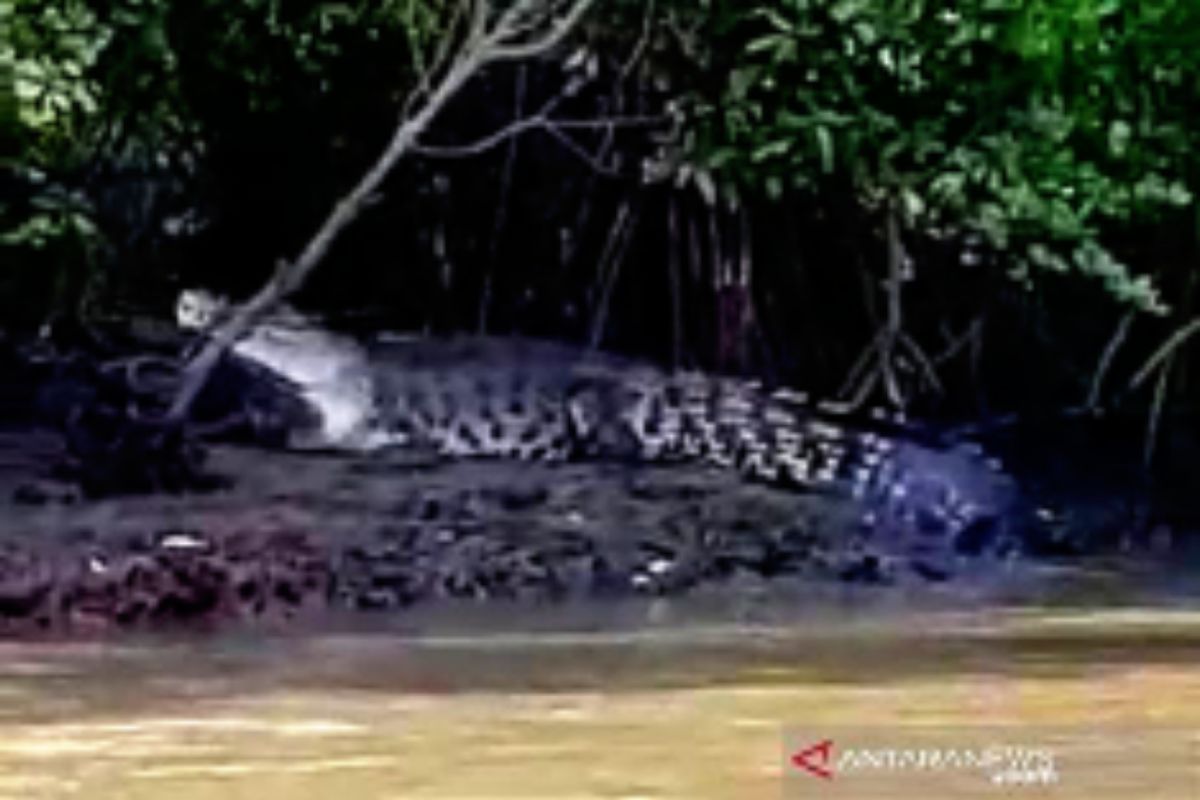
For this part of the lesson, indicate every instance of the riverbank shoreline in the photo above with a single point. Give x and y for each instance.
(312, 540)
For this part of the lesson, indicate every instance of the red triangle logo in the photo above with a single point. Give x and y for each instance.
(815, 759)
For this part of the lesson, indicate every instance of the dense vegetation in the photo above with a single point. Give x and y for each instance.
(985, 208)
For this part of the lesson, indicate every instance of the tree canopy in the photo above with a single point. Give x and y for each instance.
(822, 142)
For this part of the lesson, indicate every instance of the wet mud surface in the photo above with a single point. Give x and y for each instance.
(302, 537)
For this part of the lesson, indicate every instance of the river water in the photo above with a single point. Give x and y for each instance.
(572, 707)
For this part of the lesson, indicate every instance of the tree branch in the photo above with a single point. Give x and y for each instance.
(1152, 422)
(554, 127)
(558, 32)
(480, 49)
(610, 267)
(1106, 359)
(1168, 348)
(954, 345)
(924, 362)
(441, 58)
(593, 161)
(501, 216)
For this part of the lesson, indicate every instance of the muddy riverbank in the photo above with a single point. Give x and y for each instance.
(301, 537)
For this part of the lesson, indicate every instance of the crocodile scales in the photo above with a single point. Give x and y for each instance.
(477, 396)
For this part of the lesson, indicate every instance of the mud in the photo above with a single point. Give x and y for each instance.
(299, 536)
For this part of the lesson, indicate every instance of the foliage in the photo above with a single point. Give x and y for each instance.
(1055, 134)
(47, 229)
(115, 107)
(75, 60)
(1036, 126)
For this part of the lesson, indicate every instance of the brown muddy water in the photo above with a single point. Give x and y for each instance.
(697, 697)
(661, 705)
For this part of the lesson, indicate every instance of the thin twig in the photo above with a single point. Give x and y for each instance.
(957, 344)
(442, 58)
(1106, 358)
(864, 390)
(895, 323)
(716, 247)
(535, 122)
(854, 376)
(923, 361)
(1175, 341)
(695, 249)
(501, 217)
(595, 162)
(890, 335)
(598, 167)
(674, 277)
(975, 359)
(559, 30)
(639, 47)
(1156, 407)
(748, 319)
(610, 263)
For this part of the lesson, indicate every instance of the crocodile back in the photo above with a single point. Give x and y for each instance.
(478, 396)
(488, 396)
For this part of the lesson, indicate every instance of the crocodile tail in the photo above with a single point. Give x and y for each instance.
(784, 439)
(909, 484)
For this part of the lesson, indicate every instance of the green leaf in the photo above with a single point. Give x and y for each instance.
(771, 150)
(1119, 133)
(825, 148)
(768, 43)
(1178, 194)
(777, 20)
(786, 53)
(720, 157)
(741, 80)
(774, 187)
(844, 10)
(912, 205)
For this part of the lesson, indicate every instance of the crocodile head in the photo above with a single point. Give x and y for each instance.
(328, 372)
(199, 309)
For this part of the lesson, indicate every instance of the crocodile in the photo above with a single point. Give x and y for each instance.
(484, 396)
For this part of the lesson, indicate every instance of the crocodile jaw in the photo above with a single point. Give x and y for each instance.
(332, 375)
